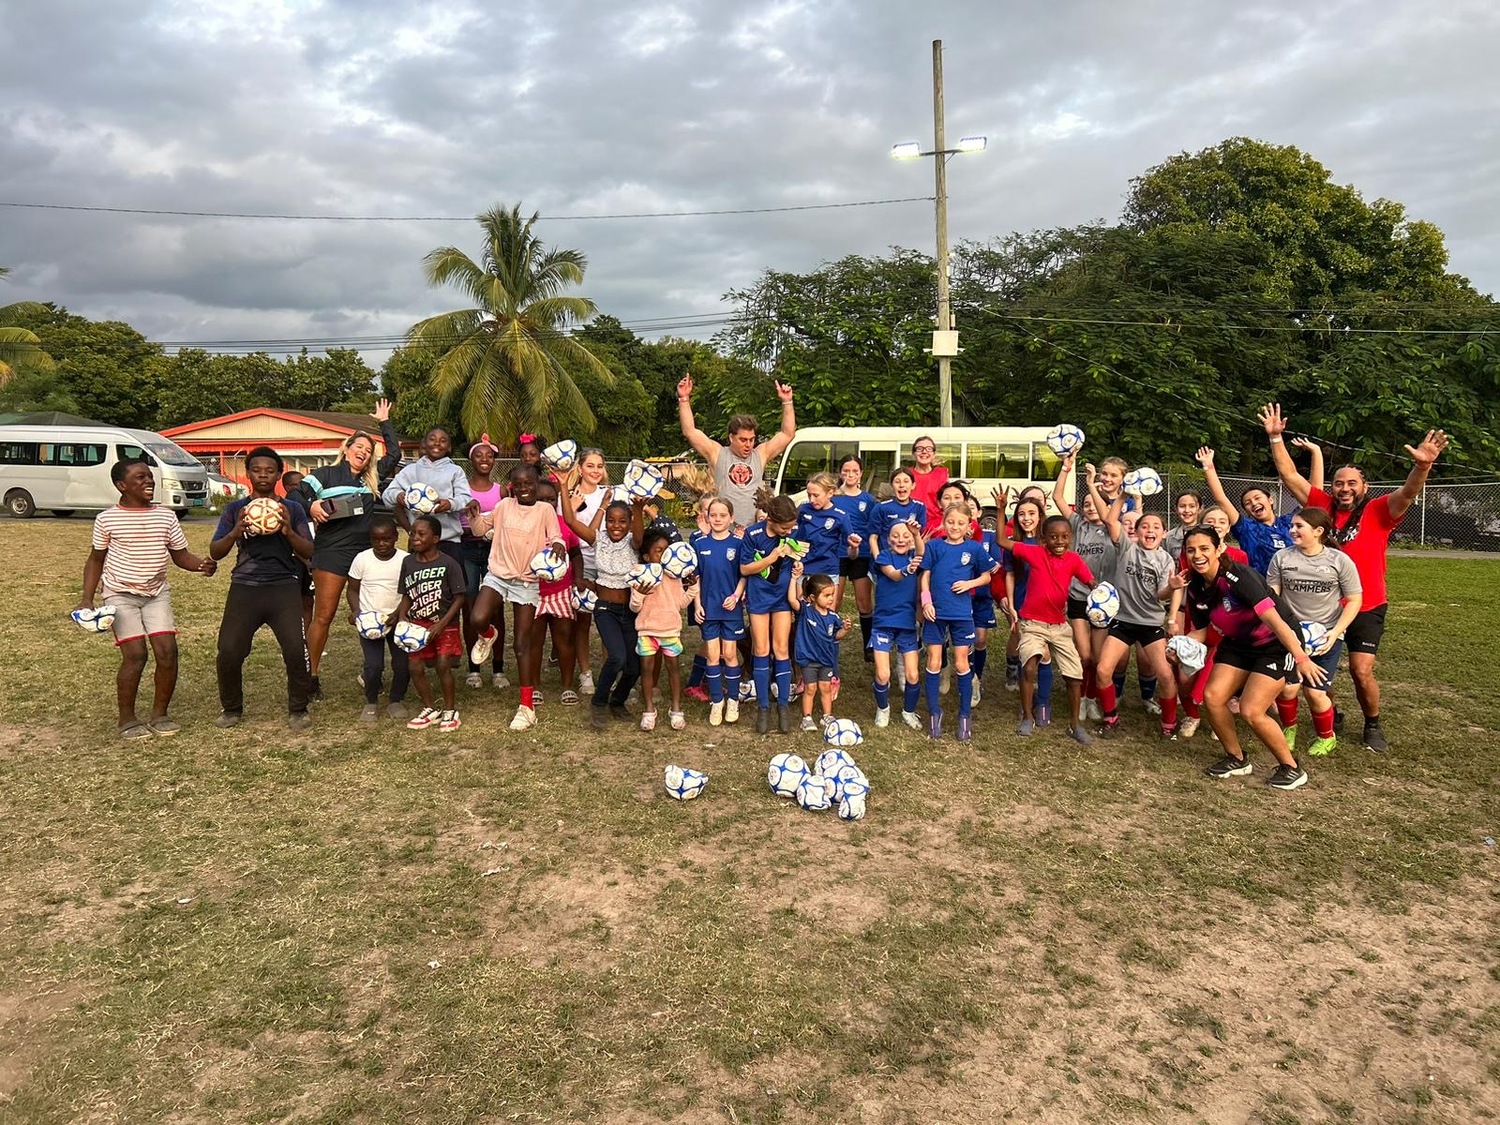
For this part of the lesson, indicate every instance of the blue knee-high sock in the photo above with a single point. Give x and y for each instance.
(934, 683)
(760, 673)
(1148, 686)
(909, 696)
(882, 694)
(715, 677)
(1119, 681)
(732, 682)
(978, 660)
(965, 692)
(700, 670)
(1044, 683)
(783, 682)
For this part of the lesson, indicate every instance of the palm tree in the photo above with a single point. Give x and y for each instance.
(507, 359)
(20, 349)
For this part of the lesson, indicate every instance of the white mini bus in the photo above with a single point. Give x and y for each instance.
(983, 457)
(65, 469)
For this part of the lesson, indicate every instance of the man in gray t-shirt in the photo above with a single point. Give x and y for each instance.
(739, 467)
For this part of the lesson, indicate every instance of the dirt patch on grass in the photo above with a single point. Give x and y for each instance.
(28, 1024)
(15, 740)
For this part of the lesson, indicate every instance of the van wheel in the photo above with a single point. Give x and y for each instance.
(62, 513)
(182, 514)
(18, 502)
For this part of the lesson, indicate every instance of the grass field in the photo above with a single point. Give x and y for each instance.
(385, 925)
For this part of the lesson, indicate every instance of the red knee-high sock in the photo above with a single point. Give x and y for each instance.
(528, 697)
(1191, 706)
(1323, 723)
(1107, 701)
(1169, 713)
(1287, 710)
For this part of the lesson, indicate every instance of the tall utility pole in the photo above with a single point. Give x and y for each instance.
(940, 173)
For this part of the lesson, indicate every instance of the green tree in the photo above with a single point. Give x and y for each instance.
(506, 359)
(105, 366)
(20, 348)
(406, 379)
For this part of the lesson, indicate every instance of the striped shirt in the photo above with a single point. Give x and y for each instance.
(138, 543)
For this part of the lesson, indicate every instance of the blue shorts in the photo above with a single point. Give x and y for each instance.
(732, 629)
(761, 598)
(984, 613)
(1329, 662)
(959, 633)
(893, 640)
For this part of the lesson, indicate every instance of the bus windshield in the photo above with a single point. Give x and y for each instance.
(169, 454)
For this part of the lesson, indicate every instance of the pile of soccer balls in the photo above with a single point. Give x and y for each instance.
(834, 779)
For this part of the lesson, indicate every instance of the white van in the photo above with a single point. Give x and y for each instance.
(65, 469)
(983, 457)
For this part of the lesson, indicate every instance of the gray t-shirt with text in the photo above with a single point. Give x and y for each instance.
(1313, 586)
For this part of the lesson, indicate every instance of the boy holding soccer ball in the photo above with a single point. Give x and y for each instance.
(132, 543)
(270, 536)
(375, 587)
(432, 595)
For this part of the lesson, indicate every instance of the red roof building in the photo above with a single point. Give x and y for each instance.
(306, 439)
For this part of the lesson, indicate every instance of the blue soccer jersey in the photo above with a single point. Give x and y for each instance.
(826, 532)
(718, 574)
(765, 590)
(816, 636)
(888, 513)
(895, 598)
(860, 509)
(1261, 541)
(950, 563)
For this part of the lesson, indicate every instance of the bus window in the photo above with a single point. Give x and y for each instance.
(804, 458)
(78, 454)
(18, 453)
(1045, 465)
(879, 465)
(1000, 460)
(134, 453)
(949, 455)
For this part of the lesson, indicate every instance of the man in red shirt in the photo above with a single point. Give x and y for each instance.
(1364, 525)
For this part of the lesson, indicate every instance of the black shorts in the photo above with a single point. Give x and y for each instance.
(854, 568)
(334, 560)
(1133, 634)
(1271, 661)
(1078, 609)
(1365, 631)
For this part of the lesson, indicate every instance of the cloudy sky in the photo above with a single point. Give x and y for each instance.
(577, 107)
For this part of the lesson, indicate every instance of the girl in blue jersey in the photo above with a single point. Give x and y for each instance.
(719, 609)
(894, 628)
(859, 506)
(766, 557)
(819, 631)
(952, 568)
(825, 528)
(900, 509)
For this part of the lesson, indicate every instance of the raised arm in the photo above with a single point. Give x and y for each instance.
(1275, 425)
(701, 443)
(1315, 477)
(392, 459)
(1108, 511)
(1060, 489)
(587, 532)
(1215, 488)
(777, 442)
(1423, 457)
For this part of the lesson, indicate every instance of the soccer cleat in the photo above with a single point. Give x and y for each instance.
(474, 679)
(808, 723)
(1322, 747)
(525, 719)
(500, 681)
(1026, 728)
(1152, 707)
(299, 721)
(935, 725)
(484, 644)
(1375, 738)
(731, 710)
(966, 728)
(1230, 766)
(716, 713)
(1287, 777)
(648, 720)
(1012, 681)
(911, 719)
(882, 716)
(676, 720)
(370, 713)
(1169, 734)
(396, 710)
(450, 721)
(762, 720)
(1290, 734)
(585, 683)
(424, 718)
(1187, 728)
(696, 694)
(784, 719)
(1080, 736)
(1109, 728)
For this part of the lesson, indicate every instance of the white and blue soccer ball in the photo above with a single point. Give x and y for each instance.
(411, 637)
(642, 480)
(832, 760)
(1103, 604)
(553, 568)
(683, 784)
(371, 624)
(1192, 654)
(422, 498)
(584, 601)
(852, 807)
(100, 620)
(1064, 439)
(815, 793)
(843, 732)
(647, 575)
(680, 560)
(785, 774)
(561, 454)
(849, 781)
(1314, 635)
(1142, 482)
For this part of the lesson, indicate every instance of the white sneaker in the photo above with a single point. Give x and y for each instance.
(978, 689)
(1092, 712)
(484, 644)
(525, 719)
(586, 684)
(716, 713)
(499, 681)
(731, 710)
(882, 716)
(425, 718)
(1188, 727)
(450, 721)
(474, 679)
(911, 719)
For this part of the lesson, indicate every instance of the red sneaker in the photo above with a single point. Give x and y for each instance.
(699, 693)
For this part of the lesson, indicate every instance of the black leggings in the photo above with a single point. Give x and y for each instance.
(246, 609)
(375, 668)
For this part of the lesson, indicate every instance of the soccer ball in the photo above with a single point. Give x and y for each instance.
(1314, 636)
(585, 601)
(1191, 654)
(815, 793)
(683, 784)
(1064, 439)
(263, 515)
(100, 620)
(843, 732)
(422, 498)
(412, 637)
(680, 560)
(1103, 604)
(561, 454)
(831, 761)
(852, 807)
(785, 773)
(849, 781)
(544, 564)
(642, 480)
(645, 574)
(371, 625)
(1142, 482)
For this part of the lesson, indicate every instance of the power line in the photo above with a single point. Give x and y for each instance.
(1174, 326)
(457, 218)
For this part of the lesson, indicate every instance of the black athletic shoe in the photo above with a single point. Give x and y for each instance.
(1375, 738)
(1288, 777)
(762, 720)
(784, 719)
(1230, 767)
(315, 691)
(1108, 729)
(598, 716)
(1338, 719)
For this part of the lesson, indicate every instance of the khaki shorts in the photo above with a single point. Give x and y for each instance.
(138, 616)
(1039, 638)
